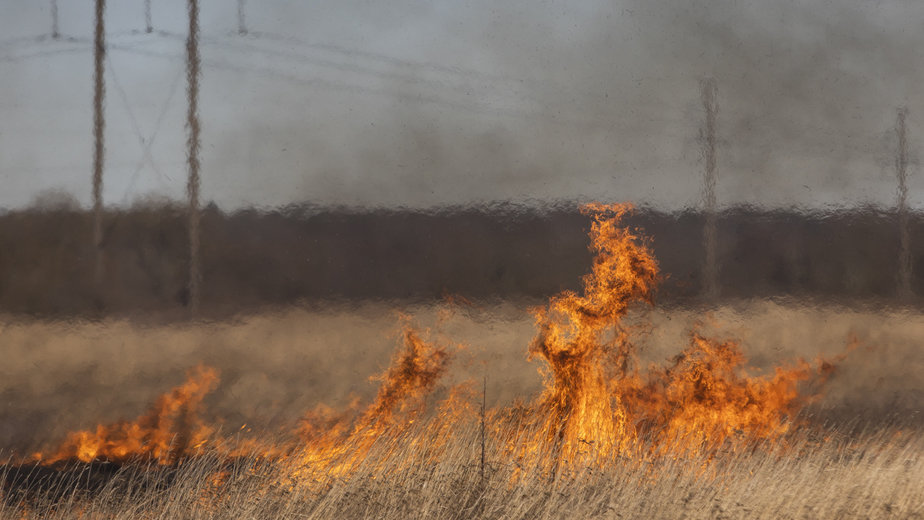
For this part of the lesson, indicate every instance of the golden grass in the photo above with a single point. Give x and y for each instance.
(873, 475)
(58, 377)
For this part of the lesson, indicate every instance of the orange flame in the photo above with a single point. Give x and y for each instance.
(413, 374)
(580, 340)
(165, 434)
(704, 398)
(596, 405)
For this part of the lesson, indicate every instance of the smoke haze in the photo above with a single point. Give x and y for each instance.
(424, 104)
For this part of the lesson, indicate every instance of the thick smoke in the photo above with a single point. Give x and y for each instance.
(602, 100)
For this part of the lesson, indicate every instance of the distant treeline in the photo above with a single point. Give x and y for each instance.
(252, 258)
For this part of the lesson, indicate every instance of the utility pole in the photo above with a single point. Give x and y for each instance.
(901, 171)
(241, 22)
(54, 20)
(192, 152)
(710, 234)
(148, 26)
(99, 125)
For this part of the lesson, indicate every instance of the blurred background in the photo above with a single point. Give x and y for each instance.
(414, 149)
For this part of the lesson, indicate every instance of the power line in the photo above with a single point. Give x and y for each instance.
(474, 107)
(41, 54)
(515, 92)
(22, 40)
(384, 58)
(440, 85)
(146, 143)
(149, 142)
(360, 69)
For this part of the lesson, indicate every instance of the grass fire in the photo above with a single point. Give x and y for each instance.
(615, 424)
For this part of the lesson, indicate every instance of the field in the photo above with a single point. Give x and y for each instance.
(858, 452)
(594, 403)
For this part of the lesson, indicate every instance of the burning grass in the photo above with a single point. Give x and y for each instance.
(694, 436)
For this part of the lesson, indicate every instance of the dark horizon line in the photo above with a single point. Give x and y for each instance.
(494, 207)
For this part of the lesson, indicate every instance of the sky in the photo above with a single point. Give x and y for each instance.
(422, 104)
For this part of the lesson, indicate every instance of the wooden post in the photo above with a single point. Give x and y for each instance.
(484, 400)
(901, 171)
(148, 26)
(710, 233)
(241, 21)
(192, 152)
(99, 126)
(54, 20)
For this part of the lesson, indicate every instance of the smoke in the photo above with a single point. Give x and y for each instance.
(594, 101)
(434, 103)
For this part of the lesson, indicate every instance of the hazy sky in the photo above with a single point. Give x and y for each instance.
(428, 103)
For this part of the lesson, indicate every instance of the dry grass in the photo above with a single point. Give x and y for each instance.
(62, 376)
(875, 475)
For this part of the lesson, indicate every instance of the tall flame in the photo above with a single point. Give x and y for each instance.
(580, 339)
(596, 406)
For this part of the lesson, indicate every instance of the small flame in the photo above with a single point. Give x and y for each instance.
(169, 431)
(414, 372)
(336, 441)
(704, 397)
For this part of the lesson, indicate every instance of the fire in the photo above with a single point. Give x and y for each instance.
(414, 372)
(581, 342)
(597, 405)
(169, 431)
(703, 398)
(336, 441)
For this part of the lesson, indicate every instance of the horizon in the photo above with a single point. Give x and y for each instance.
(55, 200)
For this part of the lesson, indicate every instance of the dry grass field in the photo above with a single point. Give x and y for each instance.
(858, 453)
(594, 404)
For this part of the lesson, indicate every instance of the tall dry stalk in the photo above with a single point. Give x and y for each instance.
(710, 234)
(99, 124)
(901, 171)
(484, 402)
(192, 153)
